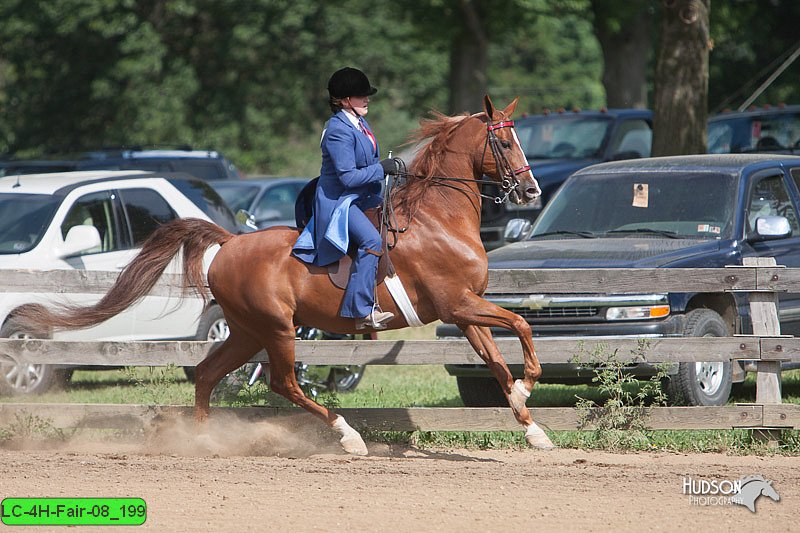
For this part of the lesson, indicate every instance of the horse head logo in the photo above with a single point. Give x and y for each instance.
(751, 488)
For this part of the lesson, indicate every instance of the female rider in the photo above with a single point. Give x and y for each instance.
(349, 183)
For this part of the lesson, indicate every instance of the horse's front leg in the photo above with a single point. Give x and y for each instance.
(475, 317)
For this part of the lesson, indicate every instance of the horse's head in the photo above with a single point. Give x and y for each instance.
(768, 490)
(507, 163)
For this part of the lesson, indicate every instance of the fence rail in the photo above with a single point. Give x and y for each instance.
(766, 347)
(562, 281)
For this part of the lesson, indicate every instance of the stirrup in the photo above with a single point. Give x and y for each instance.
(375, 320)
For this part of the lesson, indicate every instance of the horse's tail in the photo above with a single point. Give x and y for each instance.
(138, 277)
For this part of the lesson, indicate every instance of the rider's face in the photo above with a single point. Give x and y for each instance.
(359, 104)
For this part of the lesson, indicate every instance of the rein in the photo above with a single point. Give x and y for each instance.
(507, 185)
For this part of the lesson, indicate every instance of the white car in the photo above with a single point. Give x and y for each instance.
(98, 220)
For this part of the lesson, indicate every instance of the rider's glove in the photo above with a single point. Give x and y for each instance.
(390, 166)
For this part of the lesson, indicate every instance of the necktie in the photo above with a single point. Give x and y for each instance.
(366, 132)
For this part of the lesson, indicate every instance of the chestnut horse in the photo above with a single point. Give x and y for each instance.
(264, 291)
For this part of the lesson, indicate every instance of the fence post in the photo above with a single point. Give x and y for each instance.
(764, 315)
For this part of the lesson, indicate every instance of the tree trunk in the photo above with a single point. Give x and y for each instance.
(680, 106)
(626, 51)
(469, 60)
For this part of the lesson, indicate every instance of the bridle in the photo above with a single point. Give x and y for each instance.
(509, 174)
(508, 182)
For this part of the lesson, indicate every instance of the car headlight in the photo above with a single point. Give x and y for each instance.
(637, 313)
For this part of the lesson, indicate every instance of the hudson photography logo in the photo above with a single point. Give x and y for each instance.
(744, 491)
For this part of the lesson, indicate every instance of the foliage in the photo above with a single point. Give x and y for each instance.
(27, 428)
(248, 77)
(750, 40)
(621, 422)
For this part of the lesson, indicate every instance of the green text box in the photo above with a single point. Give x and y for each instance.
(73, 511)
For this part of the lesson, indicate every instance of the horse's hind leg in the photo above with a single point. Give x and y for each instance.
(280, 346)
(235, 351)
(480, 338)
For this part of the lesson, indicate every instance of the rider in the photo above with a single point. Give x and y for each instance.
(349, 183)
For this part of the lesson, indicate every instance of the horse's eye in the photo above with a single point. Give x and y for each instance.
(505, 144)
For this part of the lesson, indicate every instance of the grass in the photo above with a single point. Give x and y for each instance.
(431, 386)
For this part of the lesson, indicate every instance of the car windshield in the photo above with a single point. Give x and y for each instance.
(237, 196)
(667, 204)
(23, 220)
(562, 137)
(767, 133)
(206, 198)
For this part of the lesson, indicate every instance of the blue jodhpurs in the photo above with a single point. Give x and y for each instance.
(359, 297)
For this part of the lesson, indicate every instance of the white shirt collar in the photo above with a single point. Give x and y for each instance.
(351, 117)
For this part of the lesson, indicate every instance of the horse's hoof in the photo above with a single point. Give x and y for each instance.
(537, 438)
(354, 445)
(351, 439)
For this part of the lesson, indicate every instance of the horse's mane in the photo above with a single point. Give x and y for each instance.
(433, 132)
(433, 136)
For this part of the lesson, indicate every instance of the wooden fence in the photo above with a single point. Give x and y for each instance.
(766, 347)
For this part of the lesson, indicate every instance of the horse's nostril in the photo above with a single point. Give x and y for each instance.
(532, 192)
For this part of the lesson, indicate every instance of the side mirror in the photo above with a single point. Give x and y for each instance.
(244, 218)
(771, 228)
(81, 239)
(517, 229)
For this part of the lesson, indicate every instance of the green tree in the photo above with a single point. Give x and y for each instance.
(750, 40)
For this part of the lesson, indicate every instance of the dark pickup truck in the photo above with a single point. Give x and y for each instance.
(703, 211)
(558, 144)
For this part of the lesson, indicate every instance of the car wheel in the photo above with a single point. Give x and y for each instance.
(480, 392)
(346, 378)
(23, 379)
(702, 383)
(212, 327)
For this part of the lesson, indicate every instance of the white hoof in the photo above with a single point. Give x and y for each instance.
(354, 445)
(519, 395)
(537, 438)
(351, 440)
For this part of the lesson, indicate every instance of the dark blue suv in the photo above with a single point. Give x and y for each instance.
(671, 212)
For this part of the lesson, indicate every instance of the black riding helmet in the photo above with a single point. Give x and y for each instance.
(349, 82)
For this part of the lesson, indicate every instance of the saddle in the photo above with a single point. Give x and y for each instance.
(339, 272)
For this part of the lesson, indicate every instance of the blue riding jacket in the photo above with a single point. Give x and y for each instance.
(350, 174)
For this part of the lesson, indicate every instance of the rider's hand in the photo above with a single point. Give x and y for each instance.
(390, 166)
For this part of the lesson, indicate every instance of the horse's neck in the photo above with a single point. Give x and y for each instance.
(454, 197)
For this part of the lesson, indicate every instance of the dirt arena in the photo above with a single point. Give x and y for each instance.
(262, 478)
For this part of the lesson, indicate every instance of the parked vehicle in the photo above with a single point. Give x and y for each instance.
(770, 129)
(202, 164)
(98, 220)
(269, 200)
(672, 212)
(558, 144)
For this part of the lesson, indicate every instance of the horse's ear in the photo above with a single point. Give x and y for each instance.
(488, 107)
(508, 111)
